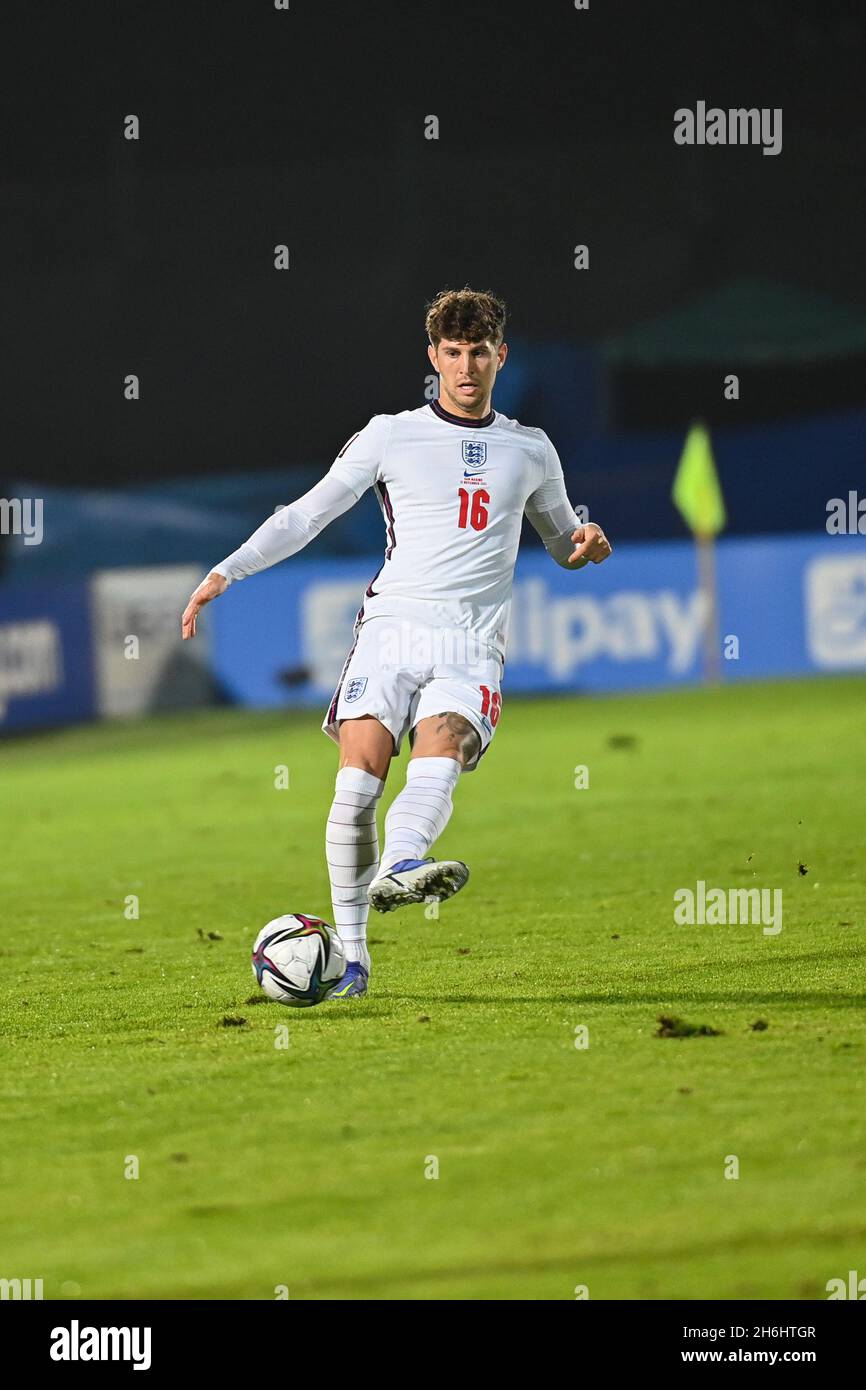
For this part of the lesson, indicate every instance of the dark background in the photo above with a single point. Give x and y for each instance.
(307, 127)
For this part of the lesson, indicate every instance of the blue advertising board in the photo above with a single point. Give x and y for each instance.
(792, 605)
(46, 656)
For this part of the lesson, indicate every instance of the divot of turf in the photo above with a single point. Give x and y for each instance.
(678, 1028)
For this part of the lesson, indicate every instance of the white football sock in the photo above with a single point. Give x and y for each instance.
(352, 850)
(421, 812)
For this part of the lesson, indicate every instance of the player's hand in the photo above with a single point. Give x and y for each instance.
(209, 588)
(591, 544)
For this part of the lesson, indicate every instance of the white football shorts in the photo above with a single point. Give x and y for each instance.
(402, 672)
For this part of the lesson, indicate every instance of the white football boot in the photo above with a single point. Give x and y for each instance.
(416, 881)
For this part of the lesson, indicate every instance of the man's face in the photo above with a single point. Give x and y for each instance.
(467, 373)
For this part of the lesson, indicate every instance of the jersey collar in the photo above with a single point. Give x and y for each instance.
(459, 419)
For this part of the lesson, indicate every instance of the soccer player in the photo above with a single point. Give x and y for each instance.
(453, 480)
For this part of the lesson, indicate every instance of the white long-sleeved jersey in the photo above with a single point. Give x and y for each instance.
(452, 493)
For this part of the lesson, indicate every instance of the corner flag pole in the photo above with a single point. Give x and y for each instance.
(709, 590)
(698, 497)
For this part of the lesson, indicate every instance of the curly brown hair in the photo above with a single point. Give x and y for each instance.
(465, 316)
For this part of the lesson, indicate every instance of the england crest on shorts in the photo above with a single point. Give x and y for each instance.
(475, 453)
(355, 688)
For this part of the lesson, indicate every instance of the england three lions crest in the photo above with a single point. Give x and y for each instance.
(355, 688)
(474, 454)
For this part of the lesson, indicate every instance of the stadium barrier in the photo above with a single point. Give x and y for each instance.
(46, 663)
(787, 606)
(108, 646)
(141, 663)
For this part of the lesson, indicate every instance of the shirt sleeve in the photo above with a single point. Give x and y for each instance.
(291, 528)
(358, 462)
(551, 514)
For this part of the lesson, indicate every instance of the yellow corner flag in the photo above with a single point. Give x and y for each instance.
(696, 492)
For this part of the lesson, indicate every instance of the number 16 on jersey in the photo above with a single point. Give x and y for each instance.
(473, 508)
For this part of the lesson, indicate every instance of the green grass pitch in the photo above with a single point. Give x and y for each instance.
(558, 1166)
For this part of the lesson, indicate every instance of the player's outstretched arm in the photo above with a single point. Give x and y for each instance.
(293, 527)
(282, 535)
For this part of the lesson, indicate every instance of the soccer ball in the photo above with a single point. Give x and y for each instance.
(298, 960)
